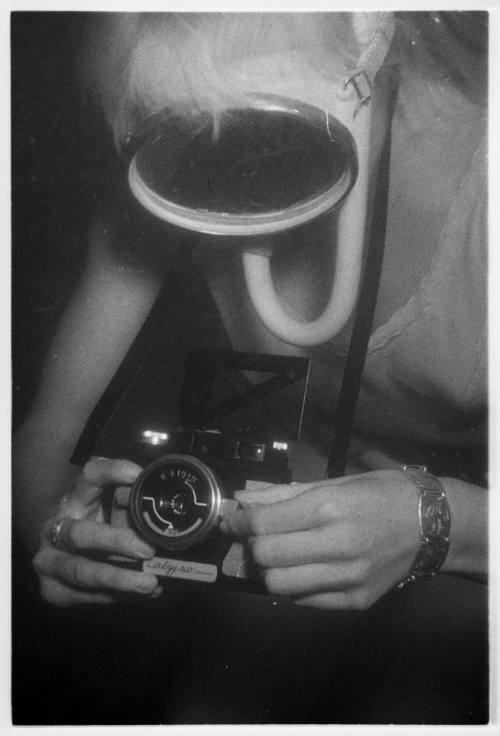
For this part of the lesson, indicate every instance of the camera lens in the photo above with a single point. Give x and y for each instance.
(178, 504)
(175, 502)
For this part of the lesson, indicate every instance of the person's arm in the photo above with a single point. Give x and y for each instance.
(468, 552)
(343, 543)
(105, 314)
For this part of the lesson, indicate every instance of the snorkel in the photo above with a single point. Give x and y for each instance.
(178, 169)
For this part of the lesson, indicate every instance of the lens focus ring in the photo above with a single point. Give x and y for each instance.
(175, 502)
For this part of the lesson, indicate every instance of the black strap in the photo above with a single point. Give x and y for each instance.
(365, 310)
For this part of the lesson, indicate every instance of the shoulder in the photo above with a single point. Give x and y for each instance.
(127, 262)
(127, 241)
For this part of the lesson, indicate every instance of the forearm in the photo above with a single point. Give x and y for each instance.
(99, 325)
(42, 474)
(468, 551)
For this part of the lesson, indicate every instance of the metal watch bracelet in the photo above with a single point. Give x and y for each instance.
(434, 523)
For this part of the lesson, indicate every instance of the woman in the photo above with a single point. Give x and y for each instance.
(337, 544)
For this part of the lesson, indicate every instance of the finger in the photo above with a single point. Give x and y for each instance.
(64, 596)
(271, 493)
(338, 601)
(121, 497)
(309, 579)
(100, 576)
(61, 595)
(293, 514)
(101, 471)
(298, 548)
(228, 507)
(97, 537)
(119, 516)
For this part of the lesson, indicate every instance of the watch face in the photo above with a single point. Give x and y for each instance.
(176, 502)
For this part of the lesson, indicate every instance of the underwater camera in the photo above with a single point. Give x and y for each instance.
(237, 414)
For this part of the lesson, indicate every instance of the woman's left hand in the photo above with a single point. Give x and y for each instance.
(338, 543)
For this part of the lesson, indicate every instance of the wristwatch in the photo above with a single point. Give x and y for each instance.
(434, 522)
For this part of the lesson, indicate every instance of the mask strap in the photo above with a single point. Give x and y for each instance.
(375, 37)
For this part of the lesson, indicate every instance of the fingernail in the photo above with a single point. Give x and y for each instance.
(244, 498)
(224, 527)
(157, 592)
(144, 586)
(241, 494)
(143, 550)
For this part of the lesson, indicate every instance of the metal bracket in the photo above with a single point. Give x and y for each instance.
(362, 86)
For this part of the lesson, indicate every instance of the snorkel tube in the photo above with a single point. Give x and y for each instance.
(374, 33)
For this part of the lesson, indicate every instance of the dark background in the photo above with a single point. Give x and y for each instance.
(60, 154)
(397, 663)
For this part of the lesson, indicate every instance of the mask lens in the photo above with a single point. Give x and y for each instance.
(265, 163)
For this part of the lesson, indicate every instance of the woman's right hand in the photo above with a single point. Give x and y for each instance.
(79, 573)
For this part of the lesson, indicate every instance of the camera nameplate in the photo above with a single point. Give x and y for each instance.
(184, 569)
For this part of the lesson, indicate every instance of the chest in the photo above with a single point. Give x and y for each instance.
(435, 132)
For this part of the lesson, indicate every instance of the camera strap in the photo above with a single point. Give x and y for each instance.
(365, 308)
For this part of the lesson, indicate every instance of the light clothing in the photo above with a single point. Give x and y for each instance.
(425, 377)
(426, 369)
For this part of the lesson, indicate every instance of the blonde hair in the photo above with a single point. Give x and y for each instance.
(136, 64)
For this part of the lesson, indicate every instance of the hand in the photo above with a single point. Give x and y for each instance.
(81, 574)
(334, 544)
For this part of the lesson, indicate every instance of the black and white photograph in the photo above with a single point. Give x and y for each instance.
(250, 367)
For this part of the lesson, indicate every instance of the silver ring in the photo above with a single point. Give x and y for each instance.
(56, 536)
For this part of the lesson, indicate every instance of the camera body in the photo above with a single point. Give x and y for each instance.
(201, 428)
(176, 503)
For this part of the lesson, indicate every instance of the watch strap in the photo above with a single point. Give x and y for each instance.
(434, 522)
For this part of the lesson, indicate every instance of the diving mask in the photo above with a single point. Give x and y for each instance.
(274, 165)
